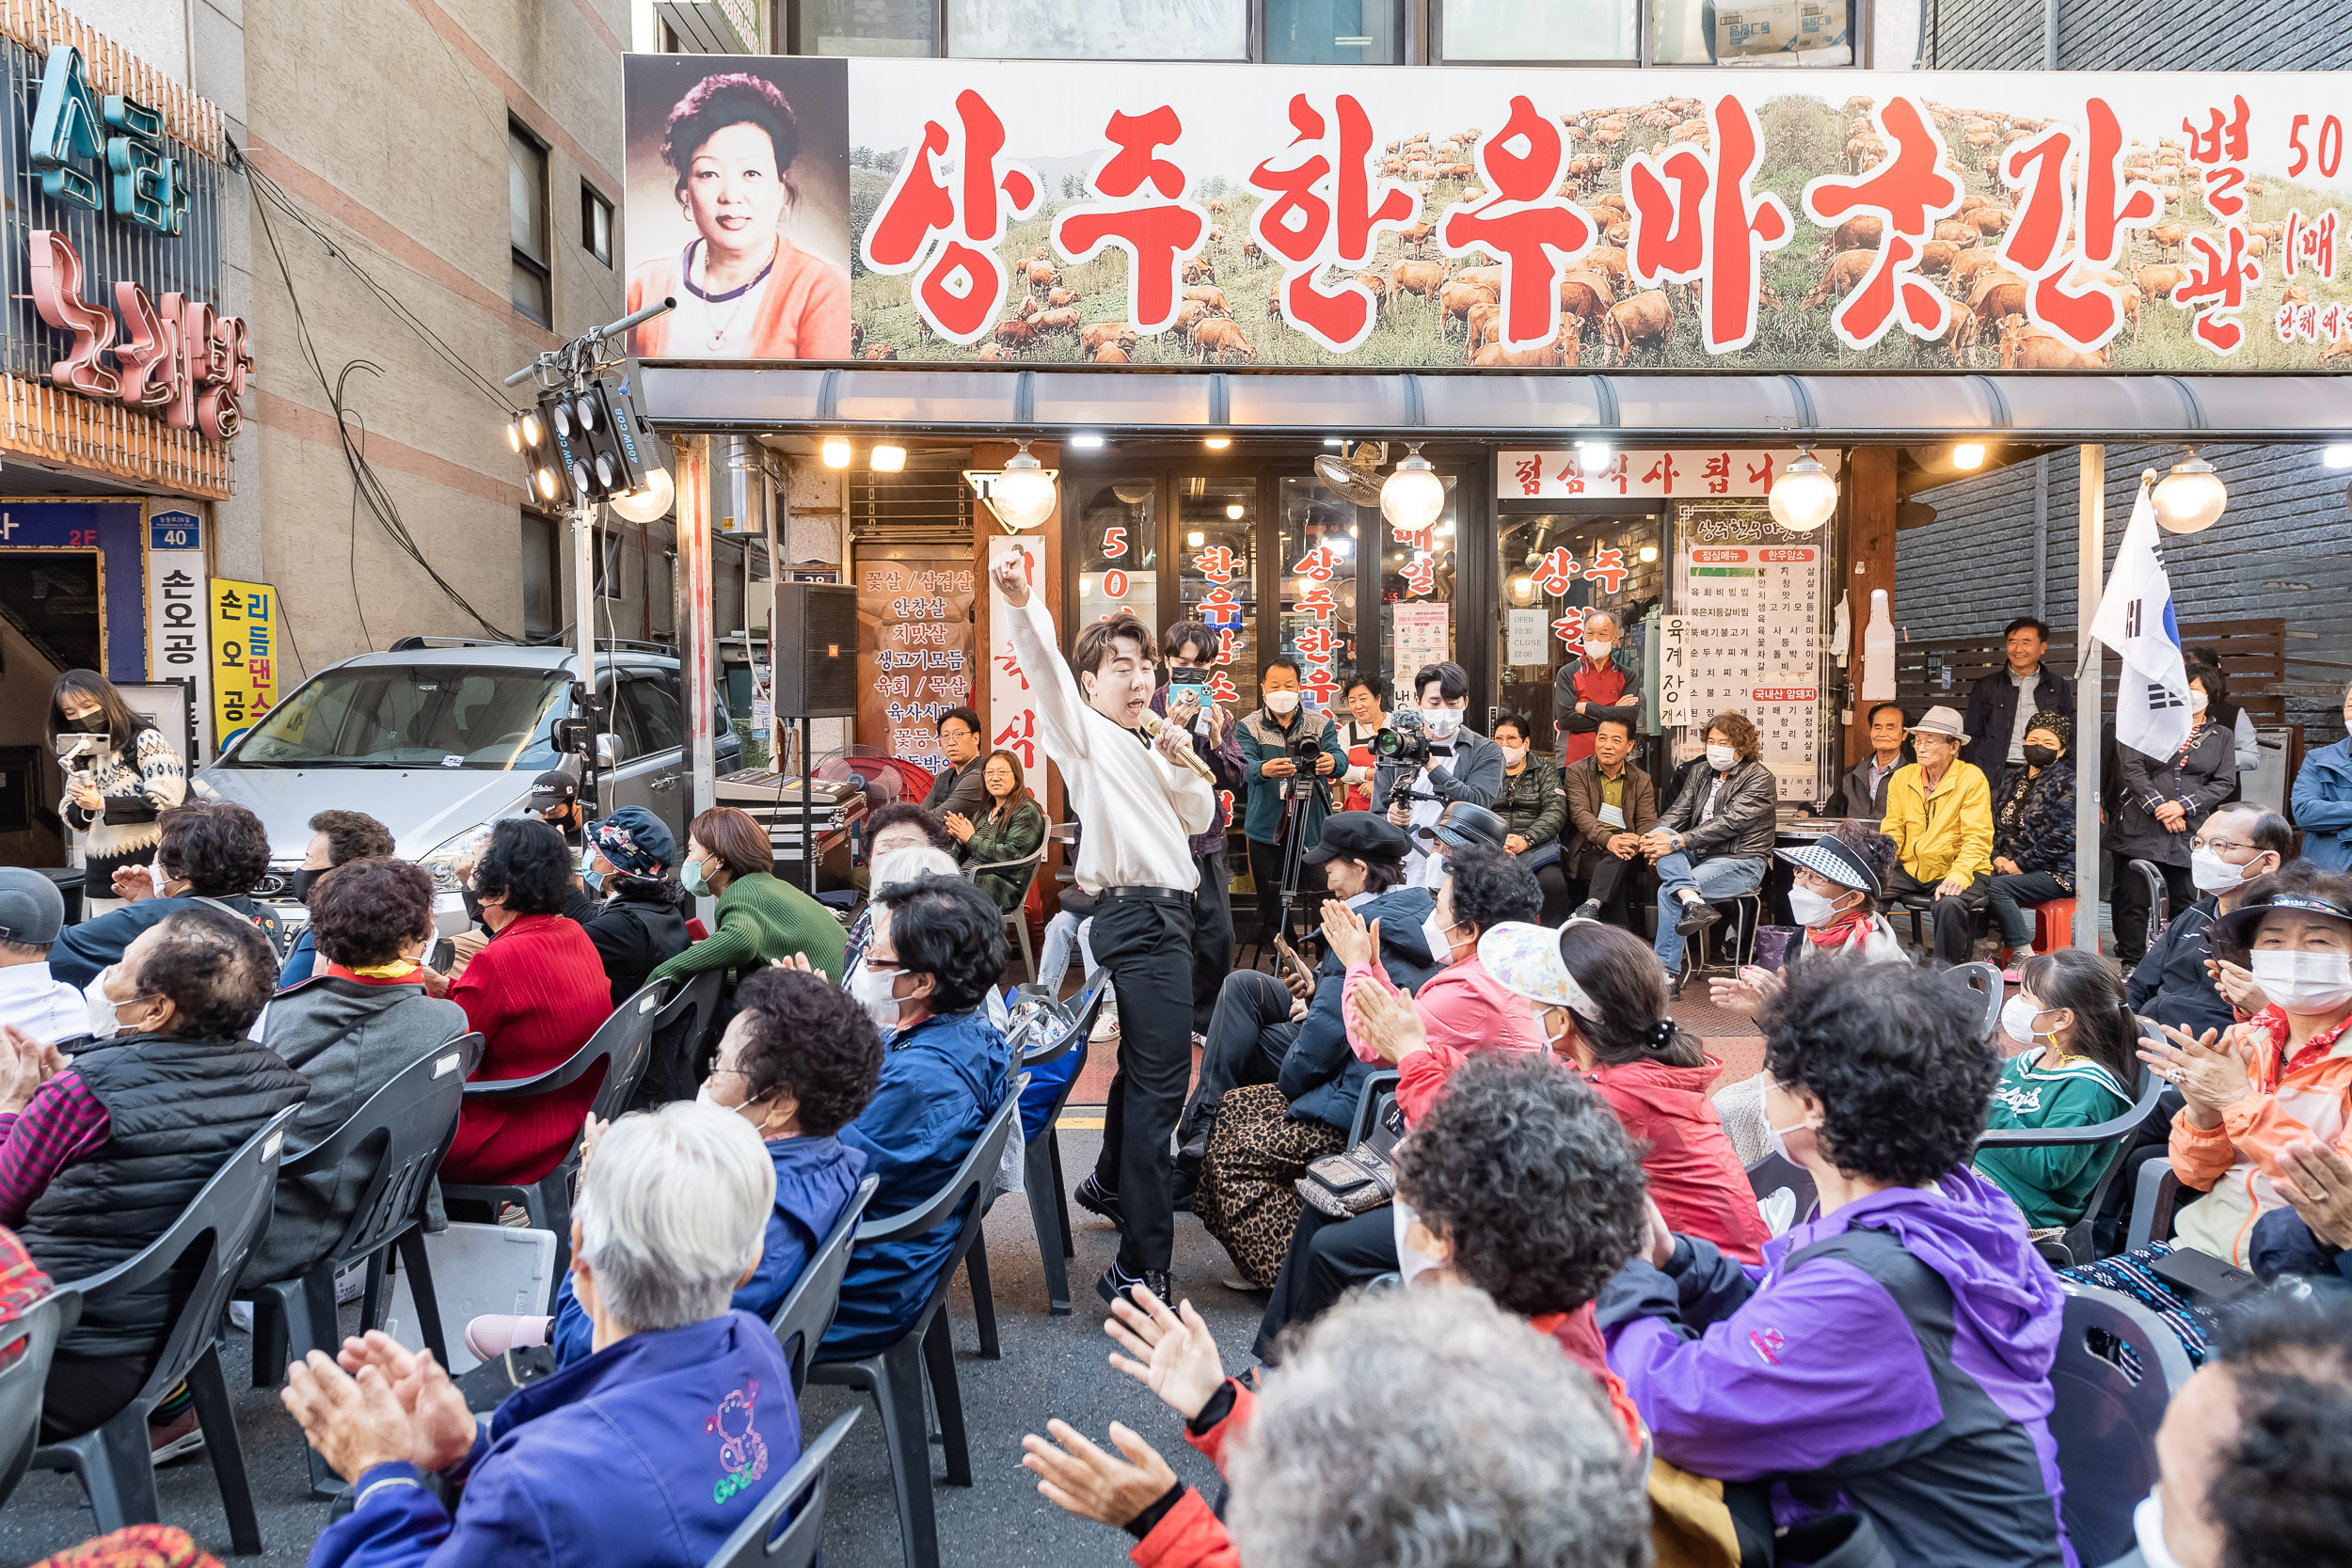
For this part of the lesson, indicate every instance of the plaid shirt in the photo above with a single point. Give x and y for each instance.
(22, 1283)
(63, 1122)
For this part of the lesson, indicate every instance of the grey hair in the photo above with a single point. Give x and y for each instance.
(1429, 1427)
(912, 864)
(1603, 612)
(672, 1212)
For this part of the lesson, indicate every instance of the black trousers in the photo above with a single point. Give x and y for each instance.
(1613, 885)
(1211, 934)
(1955, 924)
(2128, 894)
(1248, 1034)
(84, 1393)
(1328, 1258)
(1266, 872)
(1145, 940)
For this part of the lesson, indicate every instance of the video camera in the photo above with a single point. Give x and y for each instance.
(1404, 743)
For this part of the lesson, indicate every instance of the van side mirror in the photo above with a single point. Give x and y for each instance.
(608, 750)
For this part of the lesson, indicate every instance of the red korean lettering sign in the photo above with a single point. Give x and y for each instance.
(946, 233)
(1537, 234)
(2075, 209)
(1906, 192)
(1324, 213)
(2221, 267)
(1556, 571)
(1693, 218)
(1158, 236)
(177, 357)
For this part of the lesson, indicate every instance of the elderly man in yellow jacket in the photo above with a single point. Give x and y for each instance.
(1939, 813)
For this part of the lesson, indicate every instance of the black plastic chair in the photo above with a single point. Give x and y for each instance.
(2159, 899)
(33, 1337)
(893, 1375)
(2117, 1368)
(222, 1222)
(1047, 1031)
(1985, 979)
(675, 1066)
(622, 1044)
(1371, 1101)
(2116, 1131)
(756, 1543)
(406, 1127)
(2154, 1200)
(805, 1313)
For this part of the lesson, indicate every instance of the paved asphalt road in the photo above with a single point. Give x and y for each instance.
(1050, 1366)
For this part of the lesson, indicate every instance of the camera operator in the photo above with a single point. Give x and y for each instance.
(1429, 760)
(1189, 648)
(1287, 753)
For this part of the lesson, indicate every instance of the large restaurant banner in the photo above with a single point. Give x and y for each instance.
(1019, 213)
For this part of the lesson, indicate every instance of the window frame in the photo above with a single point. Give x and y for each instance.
(544, 527)
(543, 267)
(591, 203)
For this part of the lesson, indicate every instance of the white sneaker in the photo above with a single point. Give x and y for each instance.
(1105, 1022)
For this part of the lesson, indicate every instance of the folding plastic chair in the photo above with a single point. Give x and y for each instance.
(2117, 1132)
(894, 1374)
(674, 1066)
(406, 1126)
(33, 1340)
(1017, 917)
(756, 1543)
(2117, 1368)
(1379, 1087)
(622, 1044)
(221, 1222)
(1050, 1031)
(806, 1312)
(1985, 980)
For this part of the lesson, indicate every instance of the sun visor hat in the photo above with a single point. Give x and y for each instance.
(1829, 855)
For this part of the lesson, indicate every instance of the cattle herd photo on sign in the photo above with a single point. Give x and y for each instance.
(1047, 214)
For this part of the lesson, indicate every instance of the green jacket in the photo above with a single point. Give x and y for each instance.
(1004, 837)
(759, 919)
(1531, 806)
(1261, 742)
(2051, 1185)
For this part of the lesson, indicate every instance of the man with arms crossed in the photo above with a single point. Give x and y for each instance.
(1138, 802)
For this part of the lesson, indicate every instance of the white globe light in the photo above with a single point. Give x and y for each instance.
(1022, 495)
(650, 505)
(1804, 496)
(2190, 498)
(1412, 497)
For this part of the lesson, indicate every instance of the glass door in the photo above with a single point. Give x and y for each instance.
(1317, 623)
(1419, 579)
(1216, 584)
(1118, 551)
(1554, 568)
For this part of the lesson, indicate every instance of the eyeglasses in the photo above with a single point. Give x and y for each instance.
(2221, 843)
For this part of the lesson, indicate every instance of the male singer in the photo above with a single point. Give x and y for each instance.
(1138, 802)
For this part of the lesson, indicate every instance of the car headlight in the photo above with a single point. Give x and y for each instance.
(441, 863)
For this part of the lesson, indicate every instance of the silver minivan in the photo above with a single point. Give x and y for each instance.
(436, 737)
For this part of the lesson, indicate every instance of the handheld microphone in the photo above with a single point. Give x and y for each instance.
(1150, 724)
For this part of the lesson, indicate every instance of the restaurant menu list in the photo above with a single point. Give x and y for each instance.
(1745, 632)
(914, 649)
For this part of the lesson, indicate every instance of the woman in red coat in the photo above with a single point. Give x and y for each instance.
(535, 991)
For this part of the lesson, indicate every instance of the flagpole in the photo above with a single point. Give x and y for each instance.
(2090, 555)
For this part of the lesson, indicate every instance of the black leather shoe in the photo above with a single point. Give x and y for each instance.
(1098, 1199)
(1696, 917)
(1116, 1283)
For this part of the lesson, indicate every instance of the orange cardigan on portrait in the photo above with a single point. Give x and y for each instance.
(805, 314)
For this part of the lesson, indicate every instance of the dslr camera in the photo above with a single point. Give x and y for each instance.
(1404, 743)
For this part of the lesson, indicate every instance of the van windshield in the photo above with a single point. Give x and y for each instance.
(411, 716)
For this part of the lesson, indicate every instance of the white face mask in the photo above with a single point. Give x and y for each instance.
(1281, 703)
(1777, 1137)
(870, 990)
(1722, 758)
(1441, 721)
(2017, 1019)
(1597, 651)
(2197, 699)
(1810, 908)
(2148, 1530)
(2212, 874)
(1543, 1028)
(1411, 1262)
(1437, 934)
(105, 1022)
(2304, 982)
(1514, 755)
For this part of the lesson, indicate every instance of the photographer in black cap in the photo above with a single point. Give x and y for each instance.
(555, 799)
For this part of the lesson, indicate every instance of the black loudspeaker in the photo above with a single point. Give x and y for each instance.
(812, 649)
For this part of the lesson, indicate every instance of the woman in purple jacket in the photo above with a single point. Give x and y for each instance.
(1888, 1369)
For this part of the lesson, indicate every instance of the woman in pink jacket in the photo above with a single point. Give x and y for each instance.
(1461, 1010)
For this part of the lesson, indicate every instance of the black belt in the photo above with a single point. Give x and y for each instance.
(1144, 890)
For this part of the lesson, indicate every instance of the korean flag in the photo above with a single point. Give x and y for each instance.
(2135, 619)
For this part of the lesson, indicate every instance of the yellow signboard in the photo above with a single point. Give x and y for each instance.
(245, 654)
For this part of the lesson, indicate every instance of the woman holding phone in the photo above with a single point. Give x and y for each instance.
(121, 774)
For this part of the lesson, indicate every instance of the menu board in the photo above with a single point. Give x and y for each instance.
(1418, 634)
(915, 646)
(1745, 632)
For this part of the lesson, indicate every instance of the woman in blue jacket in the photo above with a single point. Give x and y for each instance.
(2323, 801)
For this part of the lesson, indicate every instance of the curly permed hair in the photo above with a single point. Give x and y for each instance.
(216, 970)
(803, 1035)
(945, 927)
(1892, 1055)
(1490, 886)
(366, 910)
(1531, 1178)
(352, 835)
(731, 98)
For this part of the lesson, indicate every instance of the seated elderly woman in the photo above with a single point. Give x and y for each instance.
(665, 1437)
(535, 991)
(1479, 1442)
(211, 853)
(1892, 1356)
(761, 918)
(2280, 1079)
(2033, 830)
(799, 1059)
(99, 1155)
(360, 1020)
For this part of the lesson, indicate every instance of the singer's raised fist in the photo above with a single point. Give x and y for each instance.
(1012, 578)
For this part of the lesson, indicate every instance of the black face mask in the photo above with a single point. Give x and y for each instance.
(473, 905)
(93, 723)
(2041, 756)
(304, 880)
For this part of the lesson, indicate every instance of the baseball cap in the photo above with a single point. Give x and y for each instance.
(553, 788)
(32, 910)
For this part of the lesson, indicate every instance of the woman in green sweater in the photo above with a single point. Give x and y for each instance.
(1012, 829)
(760, 918)
(2076, 1070)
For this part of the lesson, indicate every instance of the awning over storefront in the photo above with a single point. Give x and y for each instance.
(1488, 405)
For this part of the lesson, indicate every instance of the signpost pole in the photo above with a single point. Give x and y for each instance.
(693, 552)
(585, 639)
(2091, 556)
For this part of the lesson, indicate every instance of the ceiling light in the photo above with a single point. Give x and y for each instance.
(1022, 495)
(886, 459)
(1351, 530)
(1086, 586)
(2191, 496)
(1088, 443)
(1196, 539)
(1343, 547)
(1804, 496)
(650, 505)
(1968, 454)
(1412, 495)
(1216, 443)
(2338, 456)
(1235, 510)
(1649, 552)
(836, 451)
(1522, 587)
(1592, 455)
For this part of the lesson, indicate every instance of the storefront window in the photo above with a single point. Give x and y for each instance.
(1417, 593)
(1215, 523)
(1537, 29)
(1690, 32)
(1118, 556)
(1088, 30)
(1554, 569)
(1330, 32)
(1320, 532)
(866, 27)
